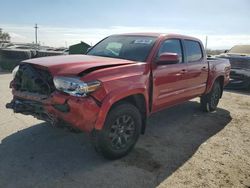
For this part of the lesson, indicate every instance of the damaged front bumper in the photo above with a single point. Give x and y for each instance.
(80, 113)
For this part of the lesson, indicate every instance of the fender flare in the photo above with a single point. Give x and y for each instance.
(114, 97)
(210, 82)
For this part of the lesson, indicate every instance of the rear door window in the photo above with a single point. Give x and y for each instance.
(193, 50)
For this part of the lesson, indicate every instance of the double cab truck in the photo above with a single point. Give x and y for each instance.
(112, 90)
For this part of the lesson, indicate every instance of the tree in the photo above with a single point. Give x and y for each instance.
(4, 37)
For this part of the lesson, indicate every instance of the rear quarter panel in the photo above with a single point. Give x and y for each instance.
(218, 68)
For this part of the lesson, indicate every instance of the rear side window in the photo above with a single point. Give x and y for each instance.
(193, 50)
(171, 46)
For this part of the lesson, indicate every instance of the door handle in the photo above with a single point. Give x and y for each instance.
(204, 68)
(183, 71)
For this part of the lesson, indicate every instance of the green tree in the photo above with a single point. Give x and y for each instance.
(4, 37)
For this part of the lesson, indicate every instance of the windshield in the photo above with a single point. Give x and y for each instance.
(240, 49)
(135, 48)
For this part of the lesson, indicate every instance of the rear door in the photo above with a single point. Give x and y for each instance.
(197, 68)
(169, 82)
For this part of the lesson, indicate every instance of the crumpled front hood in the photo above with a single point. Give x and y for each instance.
(75, 64)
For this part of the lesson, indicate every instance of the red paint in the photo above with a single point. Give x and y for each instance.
(169, 57)
(74, 64)
(172, 83)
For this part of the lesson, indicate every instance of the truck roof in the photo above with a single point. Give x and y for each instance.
(152, 34)
(240, 49)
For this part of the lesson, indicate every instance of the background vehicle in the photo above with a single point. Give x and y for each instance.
(123, 79)
(239, 57)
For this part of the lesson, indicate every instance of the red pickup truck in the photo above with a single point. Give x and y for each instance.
(121, 81)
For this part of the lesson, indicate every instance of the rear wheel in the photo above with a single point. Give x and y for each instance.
(248, 85)
(210, 101)
(120, 133)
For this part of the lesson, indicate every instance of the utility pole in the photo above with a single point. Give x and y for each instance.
(36, 33)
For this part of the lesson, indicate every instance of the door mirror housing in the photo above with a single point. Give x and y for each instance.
(168, 58)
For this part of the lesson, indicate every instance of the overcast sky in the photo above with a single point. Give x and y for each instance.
(61, 22)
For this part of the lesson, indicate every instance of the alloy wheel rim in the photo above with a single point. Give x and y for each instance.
(122, 132)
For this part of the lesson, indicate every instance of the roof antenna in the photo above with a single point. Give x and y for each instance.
(206, 43)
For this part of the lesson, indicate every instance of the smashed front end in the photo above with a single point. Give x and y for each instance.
(34, 93)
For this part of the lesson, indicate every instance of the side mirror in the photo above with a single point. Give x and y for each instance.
(226, 51)
(168, 58)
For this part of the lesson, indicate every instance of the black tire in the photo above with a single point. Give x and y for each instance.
(248, 85)
(120, 132)
(210, 101)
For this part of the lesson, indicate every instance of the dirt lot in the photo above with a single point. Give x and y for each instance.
(182, 147)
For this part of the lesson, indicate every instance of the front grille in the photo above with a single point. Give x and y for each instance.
(32, 79)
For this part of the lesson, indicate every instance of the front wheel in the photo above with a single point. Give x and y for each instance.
(120, 133)
(210, 101)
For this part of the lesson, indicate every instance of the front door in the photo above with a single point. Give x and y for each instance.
(169, 80)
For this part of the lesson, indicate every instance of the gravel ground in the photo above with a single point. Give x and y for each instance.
(182, 147)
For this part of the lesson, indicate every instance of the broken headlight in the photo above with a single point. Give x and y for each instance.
(15, 71)
(74, 86)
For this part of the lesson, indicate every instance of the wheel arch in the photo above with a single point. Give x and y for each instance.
(138, 99)
(220, 79)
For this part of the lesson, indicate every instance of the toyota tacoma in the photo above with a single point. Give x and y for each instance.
(112, 90)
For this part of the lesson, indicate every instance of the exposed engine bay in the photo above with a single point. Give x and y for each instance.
(31, 79)
(35, 83)
(35, 94)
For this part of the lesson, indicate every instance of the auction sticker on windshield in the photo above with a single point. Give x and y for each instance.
(143, 41)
